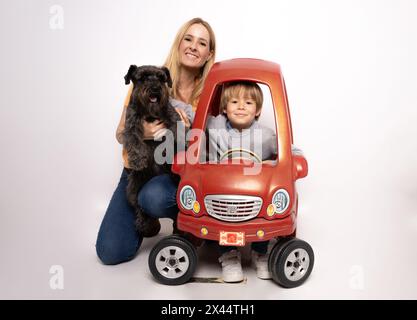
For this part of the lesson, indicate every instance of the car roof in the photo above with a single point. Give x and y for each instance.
(245, 69)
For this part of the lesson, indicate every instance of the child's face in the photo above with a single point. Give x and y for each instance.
(241, 111)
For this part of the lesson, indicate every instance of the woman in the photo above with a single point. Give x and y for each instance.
(191, 56)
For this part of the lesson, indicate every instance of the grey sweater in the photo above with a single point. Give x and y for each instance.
(222, 137)
(182, 105)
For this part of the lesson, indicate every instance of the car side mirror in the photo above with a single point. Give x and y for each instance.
(178, 164)
(300, 167)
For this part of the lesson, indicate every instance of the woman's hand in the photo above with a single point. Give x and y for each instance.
(184, 117)
(156, 129)
(153, 130)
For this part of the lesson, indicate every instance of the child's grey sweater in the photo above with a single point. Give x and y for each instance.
(222, 137)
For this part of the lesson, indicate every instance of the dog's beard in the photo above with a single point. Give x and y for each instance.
(150, 103)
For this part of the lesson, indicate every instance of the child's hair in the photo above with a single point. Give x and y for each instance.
(235, 89)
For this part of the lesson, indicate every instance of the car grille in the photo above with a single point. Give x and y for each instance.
(232, 207)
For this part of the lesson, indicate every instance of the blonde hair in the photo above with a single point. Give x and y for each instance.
(243, 88)
(173, 62)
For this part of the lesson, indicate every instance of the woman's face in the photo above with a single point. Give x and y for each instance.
(194, 47)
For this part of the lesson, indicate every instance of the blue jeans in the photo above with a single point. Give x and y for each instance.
(118, 240)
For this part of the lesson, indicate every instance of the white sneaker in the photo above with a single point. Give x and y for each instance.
(260, 264)
(231, 266)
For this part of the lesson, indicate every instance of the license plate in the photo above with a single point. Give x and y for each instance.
(232, 238)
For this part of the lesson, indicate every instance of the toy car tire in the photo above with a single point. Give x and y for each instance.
(275, 251)
(173, 260)
(291, 262)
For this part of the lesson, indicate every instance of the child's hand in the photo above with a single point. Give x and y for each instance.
(184, 117)
(270, 162)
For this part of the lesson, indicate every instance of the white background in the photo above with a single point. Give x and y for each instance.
(351, 75)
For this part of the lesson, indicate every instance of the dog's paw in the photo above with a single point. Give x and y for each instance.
(148, 227)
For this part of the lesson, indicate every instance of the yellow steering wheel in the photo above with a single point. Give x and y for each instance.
(239, 153)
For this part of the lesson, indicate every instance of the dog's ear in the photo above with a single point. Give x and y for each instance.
(168, 74)
(128, 76)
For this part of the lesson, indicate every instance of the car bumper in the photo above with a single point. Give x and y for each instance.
(270, 228)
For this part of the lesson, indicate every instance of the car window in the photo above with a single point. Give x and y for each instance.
(224, 141)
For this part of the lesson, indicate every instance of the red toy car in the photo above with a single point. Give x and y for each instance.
(217, 201)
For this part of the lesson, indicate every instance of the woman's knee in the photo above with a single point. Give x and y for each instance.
(158, 197)
(112, 252)
(118, 239)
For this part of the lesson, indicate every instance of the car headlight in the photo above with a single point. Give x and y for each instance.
(281, 201)
(187, 197)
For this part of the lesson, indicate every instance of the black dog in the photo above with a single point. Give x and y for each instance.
(149, 101)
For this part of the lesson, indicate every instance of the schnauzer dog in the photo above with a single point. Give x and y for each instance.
(149, 101)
